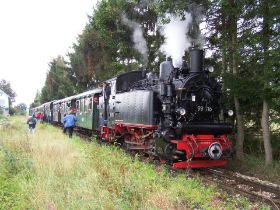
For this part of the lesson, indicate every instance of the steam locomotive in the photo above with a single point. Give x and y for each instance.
(177, 115)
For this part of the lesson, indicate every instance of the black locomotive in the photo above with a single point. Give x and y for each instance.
(177, 115)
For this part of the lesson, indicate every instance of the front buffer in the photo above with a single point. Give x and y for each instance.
(201, 151)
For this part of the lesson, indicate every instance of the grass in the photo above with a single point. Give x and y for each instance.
(3, 119)
(49, 171)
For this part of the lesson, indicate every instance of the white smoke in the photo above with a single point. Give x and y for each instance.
(199, 39)
(140, 43)
(176, 39)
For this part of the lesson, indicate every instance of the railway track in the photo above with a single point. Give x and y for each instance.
(251, 187)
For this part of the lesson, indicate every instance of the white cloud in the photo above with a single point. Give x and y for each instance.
(32, 33)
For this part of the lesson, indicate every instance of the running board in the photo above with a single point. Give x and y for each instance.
(200, 164)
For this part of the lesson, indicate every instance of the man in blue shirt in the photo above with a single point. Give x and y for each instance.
(31, 122)
(69, 122)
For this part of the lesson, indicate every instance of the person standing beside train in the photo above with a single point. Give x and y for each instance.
(69, 122)
(31, 122)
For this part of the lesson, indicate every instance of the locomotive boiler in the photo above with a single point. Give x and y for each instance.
(177, 115)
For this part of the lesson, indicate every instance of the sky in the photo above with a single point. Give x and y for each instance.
(32, 33)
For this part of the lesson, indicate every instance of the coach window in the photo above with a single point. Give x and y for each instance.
(96, 99)
(86, 104)
(113, 87)
(78, 105)
(84, 100)
(82, 105)
(90, 100)
(62, 107)
(65, 107)
(68, 106)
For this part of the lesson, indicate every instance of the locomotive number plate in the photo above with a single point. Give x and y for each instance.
(204, 109)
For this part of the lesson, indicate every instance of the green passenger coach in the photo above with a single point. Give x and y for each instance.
(86, 109)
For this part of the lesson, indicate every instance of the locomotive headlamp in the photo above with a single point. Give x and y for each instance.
(181, 111)
(230, 112)
(215, 151)
(211, 69)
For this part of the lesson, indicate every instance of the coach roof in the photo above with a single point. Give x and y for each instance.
(88, 93)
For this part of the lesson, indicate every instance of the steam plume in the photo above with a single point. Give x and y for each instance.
(139, 41)
(176, 39)
(199, 40)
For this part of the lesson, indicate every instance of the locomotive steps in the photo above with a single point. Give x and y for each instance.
(48, 170)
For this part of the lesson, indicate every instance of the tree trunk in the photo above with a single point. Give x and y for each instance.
(265, 114)
(224, 35)
(239, 117)
(266, 134)
(240, 130)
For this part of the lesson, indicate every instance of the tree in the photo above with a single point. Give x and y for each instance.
(21, 109)
(106, 49)
(233, 17)
(58, 83)
(6, 87)
(269, 32)
(37, 100)
(260, 37)
(222, 23)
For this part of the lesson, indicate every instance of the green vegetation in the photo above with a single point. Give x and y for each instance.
(21, 109)
(254, 165)
(47, 170)
(6, 87)
(3, 119)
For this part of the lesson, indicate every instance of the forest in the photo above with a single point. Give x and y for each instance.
(240, 38)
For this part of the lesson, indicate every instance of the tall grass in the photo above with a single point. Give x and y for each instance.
(3, 119)
(49, 171)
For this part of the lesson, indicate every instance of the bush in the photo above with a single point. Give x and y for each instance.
(253, 145)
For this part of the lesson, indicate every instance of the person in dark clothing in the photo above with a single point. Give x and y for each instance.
(64, 129)
(69, 122)
(31, 122)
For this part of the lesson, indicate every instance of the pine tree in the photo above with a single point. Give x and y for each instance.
(58, 83)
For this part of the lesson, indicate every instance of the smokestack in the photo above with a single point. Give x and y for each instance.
(196, 60)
